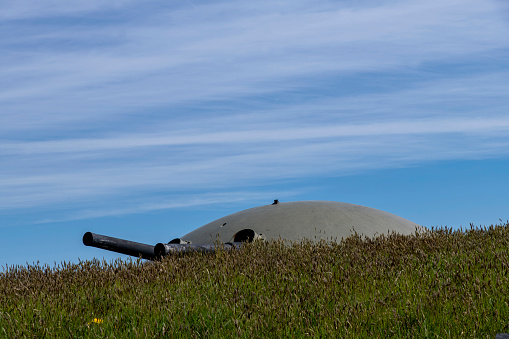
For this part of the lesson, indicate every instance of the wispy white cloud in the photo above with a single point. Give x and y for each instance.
(260, 159)
(164, 204)
(33, 9)
(166, 59)
(479, 125)
(118, 99)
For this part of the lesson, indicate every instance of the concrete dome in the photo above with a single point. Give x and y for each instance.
(313, 220)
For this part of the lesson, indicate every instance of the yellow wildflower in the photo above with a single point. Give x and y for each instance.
(96, 321)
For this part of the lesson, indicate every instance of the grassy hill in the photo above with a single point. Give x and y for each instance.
(436, 284)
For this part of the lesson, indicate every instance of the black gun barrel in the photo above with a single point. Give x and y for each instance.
(135, 249)
(160, 250)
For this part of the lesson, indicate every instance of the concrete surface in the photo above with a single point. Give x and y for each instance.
(314, 220)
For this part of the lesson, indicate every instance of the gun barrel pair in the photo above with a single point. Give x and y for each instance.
(148, 252)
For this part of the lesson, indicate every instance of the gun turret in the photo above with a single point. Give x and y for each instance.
(150, 252)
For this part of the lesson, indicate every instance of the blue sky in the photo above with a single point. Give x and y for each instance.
(145, 120)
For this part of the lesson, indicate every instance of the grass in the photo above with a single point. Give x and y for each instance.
(433, 284)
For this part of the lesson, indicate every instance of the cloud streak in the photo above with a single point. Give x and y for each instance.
(126, 102)
(178, 56)
(485, 126)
